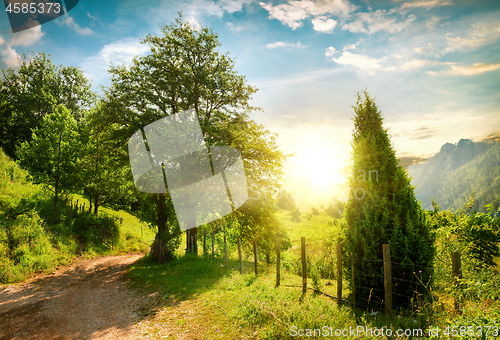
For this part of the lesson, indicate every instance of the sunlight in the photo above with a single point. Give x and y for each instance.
(318, 166)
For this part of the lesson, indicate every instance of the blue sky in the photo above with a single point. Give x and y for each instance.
(432, 65)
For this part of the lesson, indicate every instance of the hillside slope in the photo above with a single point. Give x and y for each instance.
(450, 176)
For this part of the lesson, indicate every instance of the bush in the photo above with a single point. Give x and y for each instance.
(314, 211)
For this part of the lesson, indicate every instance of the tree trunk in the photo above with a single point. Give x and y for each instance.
(159, 250)
(56, 194)
(191, 245)
(90, 201)
(96, 204)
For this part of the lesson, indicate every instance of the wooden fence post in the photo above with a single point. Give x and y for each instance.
(213, 250)
(353, 283)
(387, 279)
(255, 255)
(240, 256)
(225, 249)
(278, 262)
(339, 274)
(456, 264)
(192, 244)
(304, 264)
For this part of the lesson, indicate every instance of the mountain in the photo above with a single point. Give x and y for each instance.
(450, 176)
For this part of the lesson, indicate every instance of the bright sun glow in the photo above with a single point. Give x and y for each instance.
(317, 166)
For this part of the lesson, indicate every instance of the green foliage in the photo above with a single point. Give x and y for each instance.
(31, 91)
(285, 201)
(51, 156)
(185, 70)
(314, 211)
(382, 209)
(476, 235)
(335, 208)
(295, 213)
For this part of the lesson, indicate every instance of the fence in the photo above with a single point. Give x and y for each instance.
(455, 271)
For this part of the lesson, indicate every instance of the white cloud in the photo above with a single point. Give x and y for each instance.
(362, 62)
(293, 12)
(482, 33)
(323, 24)
(426, 3)
(234, 28)
(380, 20)
(415, 63)
(119, 52)
(330, 51)
(477, 68)
(94, 19)
(10, 57)
(27, 37)
(68, 21)
(1, 40)
(281, 44)
(432, 22)
(352, 46)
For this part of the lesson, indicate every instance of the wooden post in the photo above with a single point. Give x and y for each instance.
(304, 264)
(255, 255)
(213, 250)
(277, 262)
(353, 283)
(456, 264)
(387, 279)
(225, 248)
(240, 256)
(192, 244)
(339, 274)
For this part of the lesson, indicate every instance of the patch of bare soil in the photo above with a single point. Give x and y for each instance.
(88, 300)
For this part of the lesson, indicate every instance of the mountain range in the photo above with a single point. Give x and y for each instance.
(456, 171)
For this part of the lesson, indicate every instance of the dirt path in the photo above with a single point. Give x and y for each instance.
(84, 301)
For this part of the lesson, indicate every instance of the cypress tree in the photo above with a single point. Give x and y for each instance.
(382, 209)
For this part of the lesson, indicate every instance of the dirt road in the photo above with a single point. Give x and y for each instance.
(87, 300)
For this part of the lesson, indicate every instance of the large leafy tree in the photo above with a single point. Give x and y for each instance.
(34, 89)
(51, 156)
(184, 70)
(382, 209)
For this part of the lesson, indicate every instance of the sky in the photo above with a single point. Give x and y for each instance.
(433, 67)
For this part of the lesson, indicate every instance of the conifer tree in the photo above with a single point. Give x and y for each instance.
(382, 209)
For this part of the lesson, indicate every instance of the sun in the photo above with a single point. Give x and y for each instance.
(318, 166)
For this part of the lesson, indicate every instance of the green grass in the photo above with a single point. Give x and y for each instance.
(30, 242)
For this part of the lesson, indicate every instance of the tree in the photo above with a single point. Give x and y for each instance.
(51, 157)
(105, 178)
(335, 208)
(185, 71)
(33, 90)
(382, 209)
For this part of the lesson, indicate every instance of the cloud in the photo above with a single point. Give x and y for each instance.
(1, 40)
(27, 37)
(426, 3)
(477, 68)
(432, 22)
(330, 51)
(416, 63)
(119, 52)
(281, 44)
(324, 24)
(482, 33)
(68, 21)
(353, 46)
(94, 19)
(429, 49)
(213, 8)
(234, 28)
(293, 12)
(362, 62)
(10, 57)
(380, 20)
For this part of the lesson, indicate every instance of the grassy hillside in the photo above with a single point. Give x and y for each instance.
(31, 242)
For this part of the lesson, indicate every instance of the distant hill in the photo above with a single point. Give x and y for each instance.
(456, 171)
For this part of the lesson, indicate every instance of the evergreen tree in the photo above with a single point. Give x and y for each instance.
(382, 209)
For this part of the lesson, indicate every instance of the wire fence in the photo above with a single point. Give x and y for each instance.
(377, 296)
